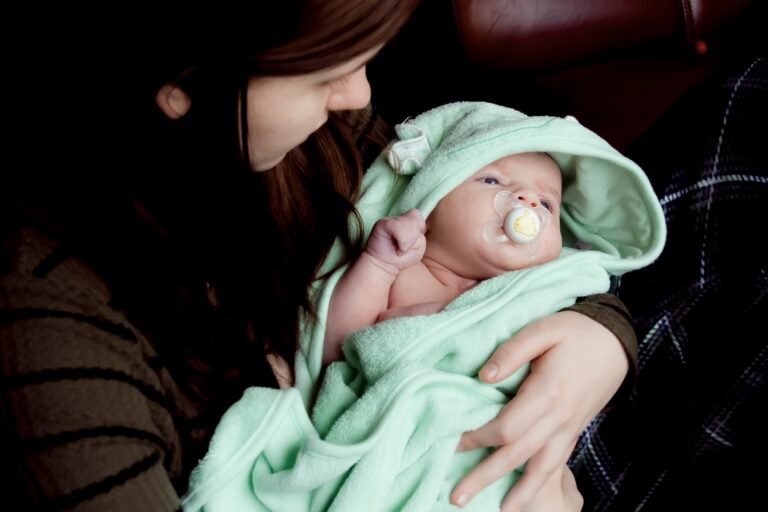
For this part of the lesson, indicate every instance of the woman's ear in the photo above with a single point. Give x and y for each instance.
(173, 101)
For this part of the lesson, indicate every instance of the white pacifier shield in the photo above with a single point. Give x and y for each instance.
(522, 225)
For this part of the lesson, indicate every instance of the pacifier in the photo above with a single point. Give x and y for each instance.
(516, 221)
(522, 225)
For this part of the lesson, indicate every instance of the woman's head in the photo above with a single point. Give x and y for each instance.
(283, 111)
(166, 207)
(291, 65)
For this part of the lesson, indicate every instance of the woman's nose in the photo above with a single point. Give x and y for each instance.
(352, 94)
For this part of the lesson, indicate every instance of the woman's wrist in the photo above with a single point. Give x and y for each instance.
(609, 311)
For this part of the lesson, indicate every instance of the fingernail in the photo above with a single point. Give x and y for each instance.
(462, 499)
(489, 371)
(460, 447)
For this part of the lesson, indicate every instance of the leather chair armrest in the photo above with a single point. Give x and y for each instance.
(544, 34)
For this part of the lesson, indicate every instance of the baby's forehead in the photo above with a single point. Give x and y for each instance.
(538, 164)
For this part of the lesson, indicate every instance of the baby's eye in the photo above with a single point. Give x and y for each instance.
(549, 205)
(489, 180)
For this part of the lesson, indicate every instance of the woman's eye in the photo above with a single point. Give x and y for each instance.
(489, 180)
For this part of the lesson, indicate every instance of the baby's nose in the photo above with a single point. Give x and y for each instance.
(528, 197)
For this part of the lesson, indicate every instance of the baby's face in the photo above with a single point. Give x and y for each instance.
(455, 227)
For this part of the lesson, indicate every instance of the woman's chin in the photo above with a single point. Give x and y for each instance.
(266, 165)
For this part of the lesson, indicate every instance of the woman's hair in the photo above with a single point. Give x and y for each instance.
(210, 259)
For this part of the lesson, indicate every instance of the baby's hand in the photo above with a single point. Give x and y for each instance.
(398, 241)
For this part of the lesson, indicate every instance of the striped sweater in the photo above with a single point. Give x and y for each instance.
(91, 419)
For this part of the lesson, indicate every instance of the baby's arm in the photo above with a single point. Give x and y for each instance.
(421, 308)
(362, 293)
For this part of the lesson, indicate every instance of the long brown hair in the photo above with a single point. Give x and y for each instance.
(210, 260)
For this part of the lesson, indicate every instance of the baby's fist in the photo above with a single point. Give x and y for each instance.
(398, 241)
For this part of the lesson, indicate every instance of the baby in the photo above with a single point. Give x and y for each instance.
(504, 217)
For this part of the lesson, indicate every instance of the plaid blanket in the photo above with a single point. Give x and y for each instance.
(693, 430)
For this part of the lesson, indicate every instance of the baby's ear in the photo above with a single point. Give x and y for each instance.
(173, 101)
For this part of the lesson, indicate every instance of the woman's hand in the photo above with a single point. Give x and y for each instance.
(576, 367)
(559, 494)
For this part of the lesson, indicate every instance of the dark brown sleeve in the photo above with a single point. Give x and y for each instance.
(610, 311)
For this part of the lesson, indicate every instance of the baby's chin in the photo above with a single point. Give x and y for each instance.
(513, 257)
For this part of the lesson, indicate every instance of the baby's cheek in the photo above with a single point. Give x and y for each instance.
(556, 243)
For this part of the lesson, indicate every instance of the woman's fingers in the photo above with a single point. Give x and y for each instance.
(519, 416)
(540, 396)
(504, 460)
(558, 494)
(525, 346)
(538, 469)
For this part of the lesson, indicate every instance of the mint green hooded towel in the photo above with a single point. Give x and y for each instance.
(380, 429)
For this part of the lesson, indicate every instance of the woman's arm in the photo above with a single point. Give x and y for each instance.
(577, 364)
(609, 311)
(81, 438)
(87, 421)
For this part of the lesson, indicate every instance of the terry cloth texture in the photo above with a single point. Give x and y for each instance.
(692, 433)
(386, 421)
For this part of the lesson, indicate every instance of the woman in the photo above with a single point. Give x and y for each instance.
(150, 269)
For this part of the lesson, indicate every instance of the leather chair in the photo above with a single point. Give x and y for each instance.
(616, 65)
